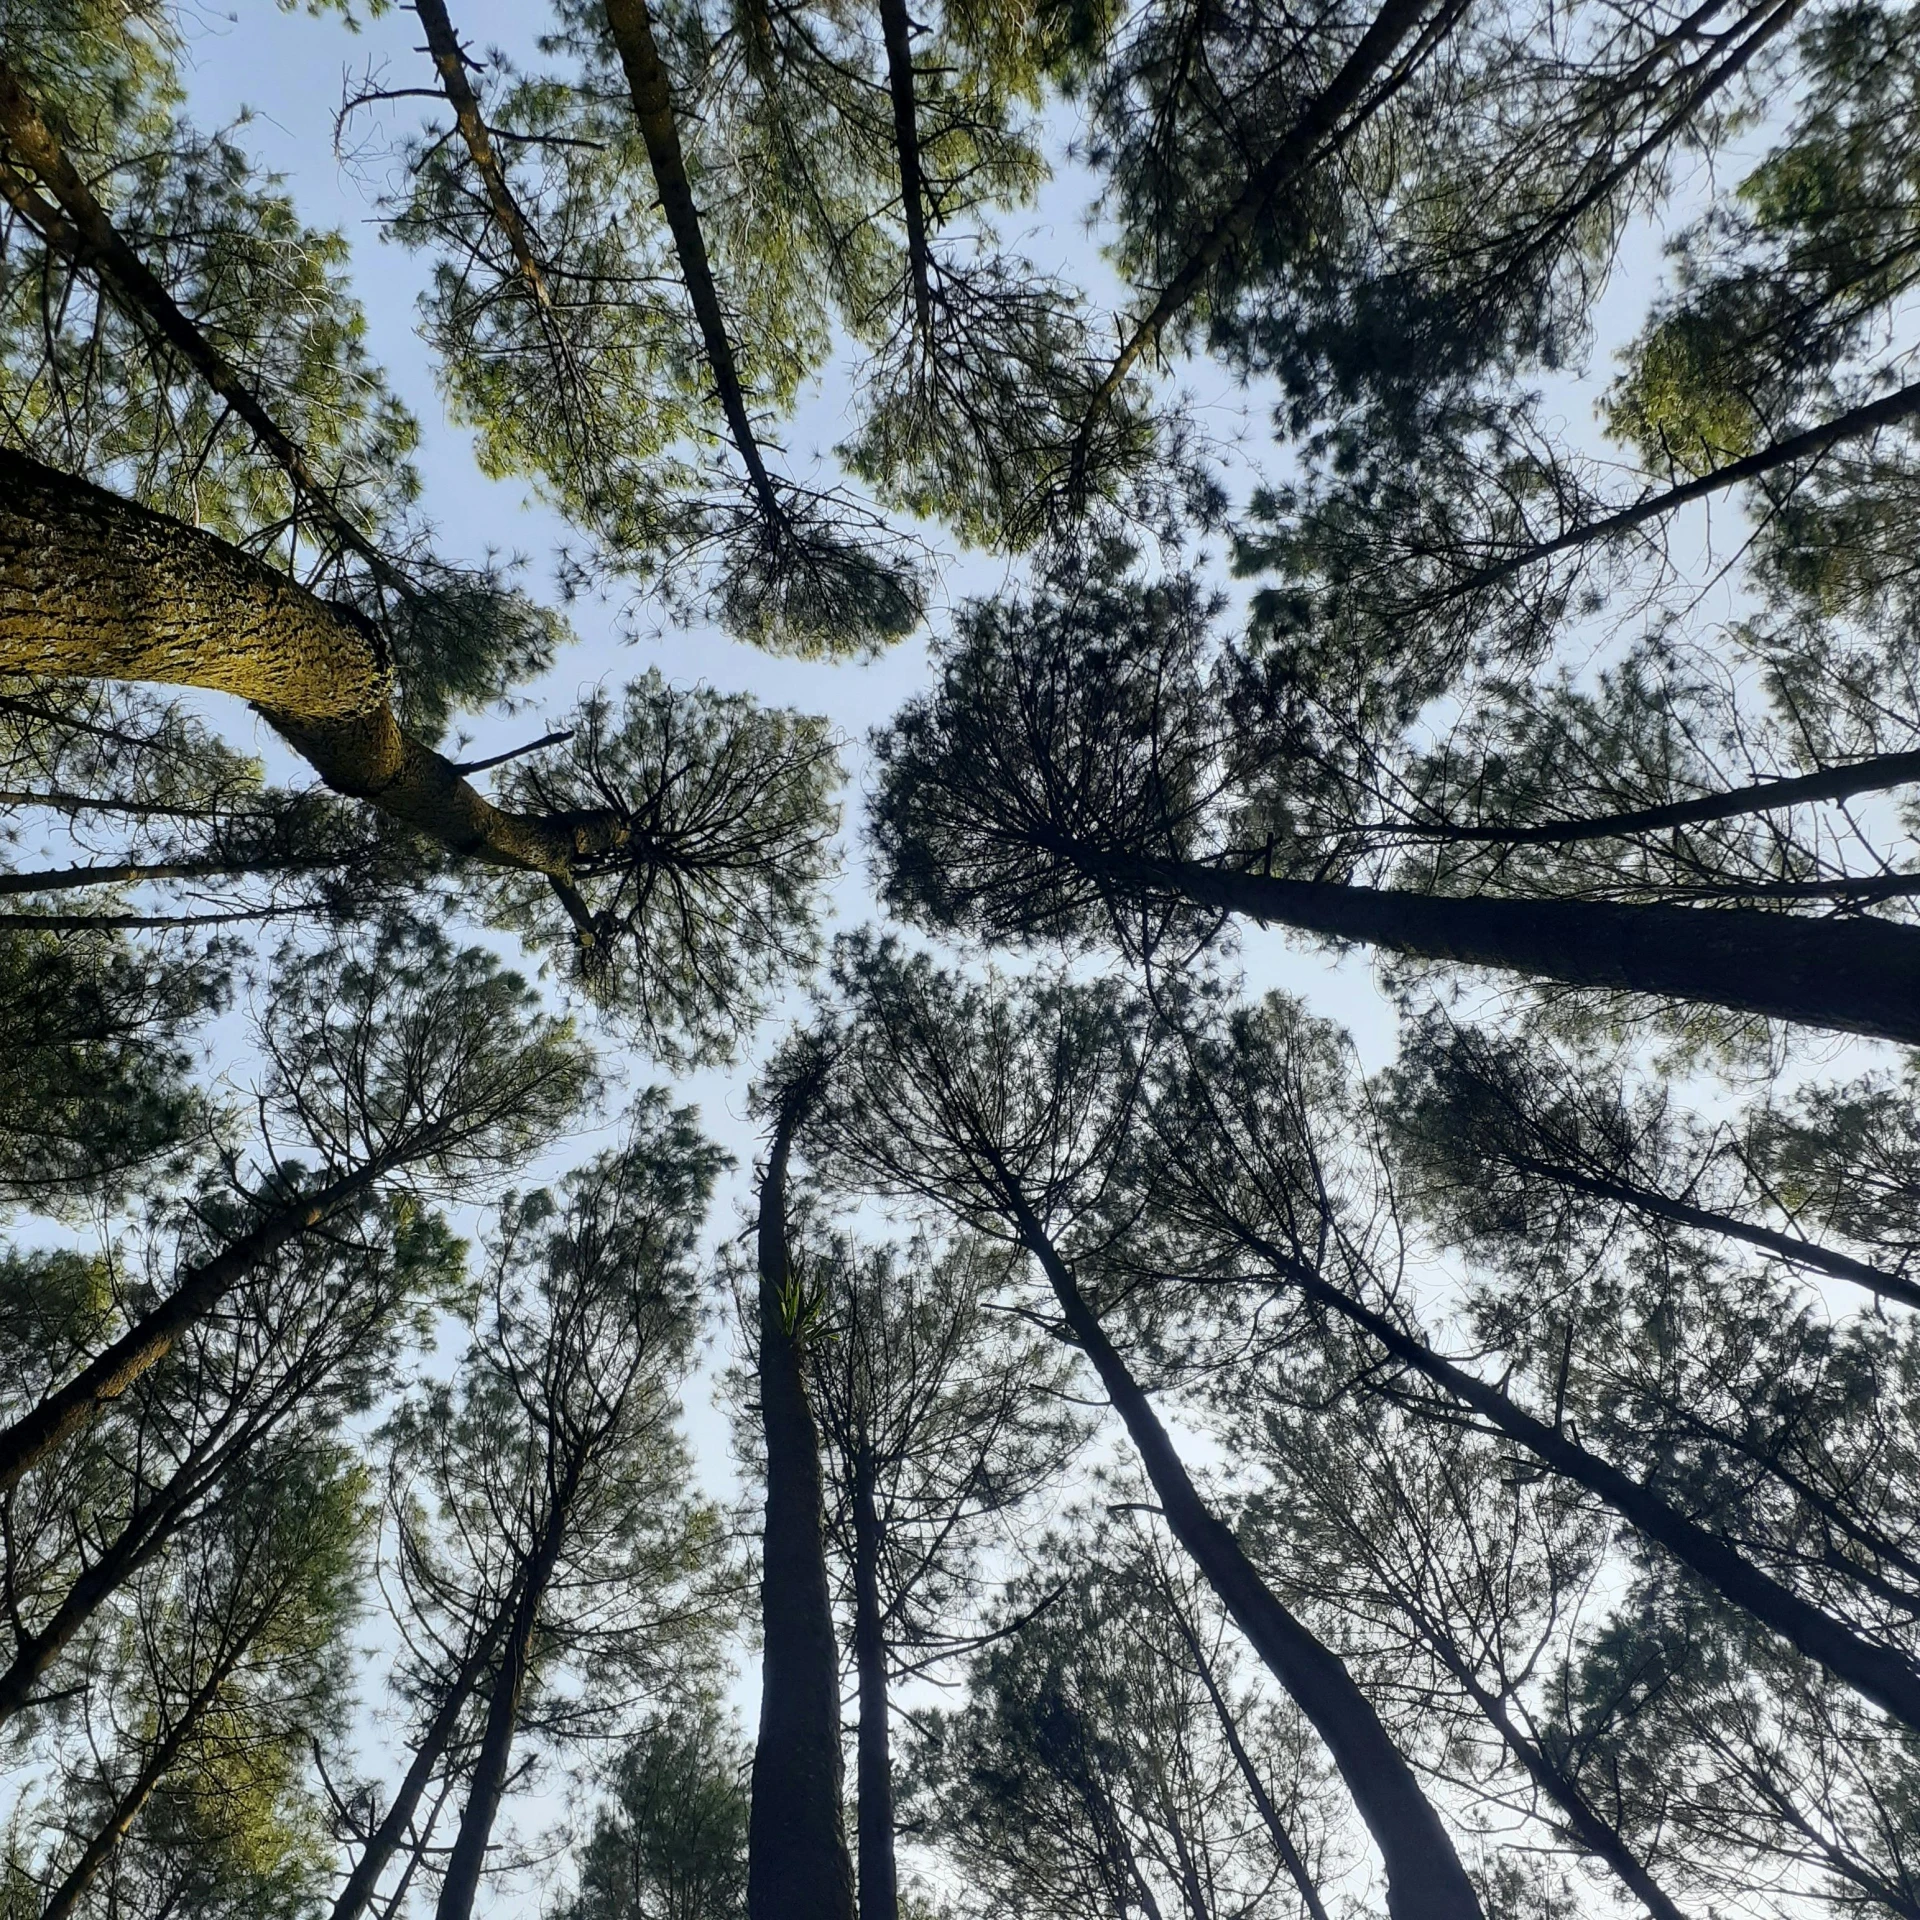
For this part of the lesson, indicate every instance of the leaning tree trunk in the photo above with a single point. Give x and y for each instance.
(68, 1409)
(95, 587)
(1883, 1674)
(489, 1783)
(385, 1839)
(879, 1880)
(1425, 1880)
(797, 1864)
(1855, 976)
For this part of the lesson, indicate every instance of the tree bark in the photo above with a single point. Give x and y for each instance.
(896, 29)
(1425, 1880)
(87, 238)
(1873, 775)
(385, 1839)
(632, 28)
(1882, 1674)
(797, 1864)
(68, 1409)
(1852, 976)
(469, 1854)
(879, 1880)
(1789, 1246)
(95, 587)
(67, 1896)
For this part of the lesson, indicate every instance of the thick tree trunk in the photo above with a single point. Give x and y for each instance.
(94, 587)
(1297, 150)
(68, 1409)
(1883, 1674)
(1425, 1880)
(385, 1839)
(632, 28)
(879, 1880)
(468, 1857)
(1853, 976)
(797, 1864)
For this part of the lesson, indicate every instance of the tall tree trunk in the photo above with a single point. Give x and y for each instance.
(1856, 423)
(489, 1782)
(896, 29)
(81, 231)
(879, 1888)
(68, 1409)
(1425, 1880)
(1598, 1836)
(126, 1810)
(797, 1864)
(632, 28)
(1853, 976)
(385, 1839)
(1875, 774)
(94, 587)
(1789, 1246)
(1296, 151)
(1883, 1674)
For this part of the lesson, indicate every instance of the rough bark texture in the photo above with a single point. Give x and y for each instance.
(632, 28)
(66, 1411)
(1881, 1673)
(797, 1863)
(1853, 976)
(384, 1841)
(87, 237)
(1295, 152)
(879, 1880)
(1425, 1880)
(95, 587)
(469, 1854)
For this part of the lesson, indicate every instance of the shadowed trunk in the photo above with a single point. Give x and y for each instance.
(469, 1854)
(68, 1409)
(1852, 976)
(897, 31)
(1256, 1787)
(632, 28)
(1300, 147)
(1425, 1880)
(68, 1895)
(797, 1864)
(1873, 775)
(385, 1839)
(879, 1889)
(1882, 1674)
